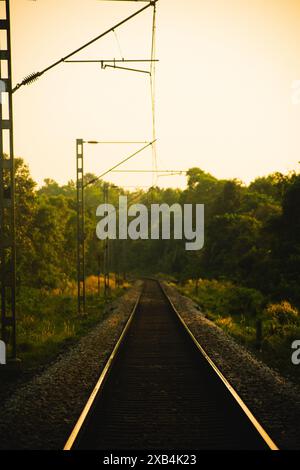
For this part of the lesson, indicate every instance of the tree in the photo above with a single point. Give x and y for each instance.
(231, 247)
(230, 198)
(25, 207)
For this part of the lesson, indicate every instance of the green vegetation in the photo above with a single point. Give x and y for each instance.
(251, 256)
(48, 322)
(237, 309)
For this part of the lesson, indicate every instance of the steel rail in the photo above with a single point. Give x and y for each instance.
(101, 381)
(229, 387)
(86, 413)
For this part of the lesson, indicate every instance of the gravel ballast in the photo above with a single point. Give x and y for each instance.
(273, 400)
(41, 414)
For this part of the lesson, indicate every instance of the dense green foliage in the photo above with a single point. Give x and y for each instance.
(252, 233)
(248, 269)
(48, 322)
(237, 309)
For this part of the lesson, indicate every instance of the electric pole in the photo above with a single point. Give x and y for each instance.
(106, 250)
(7, 191)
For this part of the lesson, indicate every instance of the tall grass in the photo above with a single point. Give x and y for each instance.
(237, 310)
(48, 321)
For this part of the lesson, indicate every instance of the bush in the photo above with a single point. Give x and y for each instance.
(48, 320)
(244, 301)
(282, 314)
(224, 298)
(236, 309)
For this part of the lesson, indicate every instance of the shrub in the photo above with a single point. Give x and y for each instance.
(244, 301)
(224, 298)
(282, 314)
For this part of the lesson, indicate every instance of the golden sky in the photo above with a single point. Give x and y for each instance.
(223, 87)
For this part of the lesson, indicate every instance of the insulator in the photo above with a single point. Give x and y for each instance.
(31, 78)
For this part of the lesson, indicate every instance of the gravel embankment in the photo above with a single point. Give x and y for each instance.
(42, 413)
(273, 400)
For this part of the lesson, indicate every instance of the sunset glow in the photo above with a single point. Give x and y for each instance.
(223, 87)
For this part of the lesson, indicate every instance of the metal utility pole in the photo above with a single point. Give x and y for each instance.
(80, 227)
(7, 190)
(99, 274)
(153, 94)
(7, 177)
(106, 251)
(81, 185)
(117, 253)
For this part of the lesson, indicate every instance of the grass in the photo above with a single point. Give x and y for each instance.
(48, 322)
(237, 309)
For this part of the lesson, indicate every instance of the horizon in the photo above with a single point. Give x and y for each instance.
(227, 77)
(134, 188)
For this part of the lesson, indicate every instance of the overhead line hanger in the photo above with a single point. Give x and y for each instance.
(34, 76)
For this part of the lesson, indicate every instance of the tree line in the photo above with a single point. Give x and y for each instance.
(252, 233)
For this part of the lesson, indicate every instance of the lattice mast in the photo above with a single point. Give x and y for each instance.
(7, 188)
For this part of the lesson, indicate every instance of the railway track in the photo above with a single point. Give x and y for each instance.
(160, 390)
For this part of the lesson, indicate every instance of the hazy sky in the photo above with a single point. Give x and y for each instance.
(223, 87)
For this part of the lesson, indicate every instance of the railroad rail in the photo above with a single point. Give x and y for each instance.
(160, 390)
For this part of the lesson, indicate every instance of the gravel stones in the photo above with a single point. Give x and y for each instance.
(41, 413)
(273, 400)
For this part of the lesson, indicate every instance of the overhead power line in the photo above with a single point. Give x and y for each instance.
(114, 142)
(153, 90)
(136, 1)
(104, 61)
(94, 180)
(112, 63)
(34, 76)
(172, 172)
